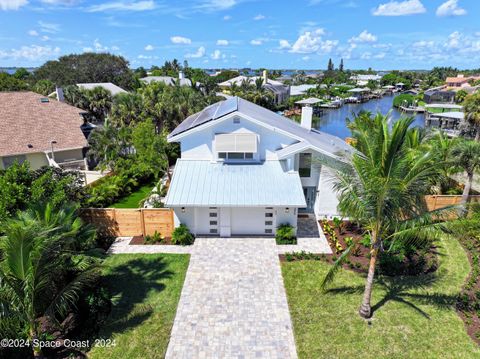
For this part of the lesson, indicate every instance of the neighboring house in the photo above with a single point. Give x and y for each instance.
(244, 170)
(280, 91)
(299, 90)
(460, 81)
(362, 80)
(439, 96)
(168, 80)
(114, 89)
(33, 126)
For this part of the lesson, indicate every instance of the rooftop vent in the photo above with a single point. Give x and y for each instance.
(44, 100)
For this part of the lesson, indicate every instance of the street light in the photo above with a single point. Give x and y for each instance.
(53, 142)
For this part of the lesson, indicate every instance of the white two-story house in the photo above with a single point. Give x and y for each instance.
(244, 170)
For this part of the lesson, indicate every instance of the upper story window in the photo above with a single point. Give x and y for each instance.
(305, 165)
(236, 146)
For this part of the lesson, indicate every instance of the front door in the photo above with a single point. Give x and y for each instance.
(310, 194)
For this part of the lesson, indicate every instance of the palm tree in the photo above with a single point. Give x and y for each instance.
(42, 270)
(126, 109)
(99, 102)
(471, 107)
(441, 146)
(384, 189)
(466, 157)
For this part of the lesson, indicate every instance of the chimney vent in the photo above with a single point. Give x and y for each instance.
(307, 114)
(265, 77)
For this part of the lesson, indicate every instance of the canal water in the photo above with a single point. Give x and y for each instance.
(334, 121)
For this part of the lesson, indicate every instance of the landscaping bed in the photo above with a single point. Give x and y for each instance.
(413, 317)
(141, 240)
(340, 234)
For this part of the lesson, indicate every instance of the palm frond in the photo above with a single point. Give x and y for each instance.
(330, 276)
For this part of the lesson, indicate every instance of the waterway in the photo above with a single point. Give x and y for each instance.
(334, 121)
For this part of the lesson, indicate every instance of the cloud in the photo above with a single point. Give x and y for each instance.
(197, 54)
(60, 2)
(98, 47)
(400, 8)
(450, 8)
(423, 43)
(216, 5)
(33, 33)
(284, 44)
(256, 42)
(311, 41)
(32, 53)
(143, 5)
(222, 42)
(306, 58)
(259, 17)
(227, 17)
(48, 27)
(216, 55)
(364, 36)
(180, 40)
(454, 41)
(45, 38)
(149, 48)
(12, 4)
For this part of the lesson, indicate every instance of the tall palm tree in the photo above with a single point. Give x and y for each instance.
(384, 190)
(471, 106)
(441, 146)
(466, 157)
(42, 270)
(126, 109)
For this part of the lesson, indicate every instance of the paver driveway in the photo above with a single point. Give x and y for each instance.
(233, 303)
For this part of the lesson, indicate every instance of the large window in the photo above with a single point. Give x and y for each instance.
(235, 155)
(305, 165)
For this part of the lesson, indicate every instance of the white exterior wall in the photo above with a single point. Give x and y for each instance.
(326, 202)
(200, 145)
(234, 221)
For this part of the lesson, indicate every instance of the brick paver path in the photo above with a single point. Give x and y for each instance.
(233, 303)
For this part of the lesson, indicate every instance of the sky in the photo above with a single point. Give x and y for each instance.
(276, 34)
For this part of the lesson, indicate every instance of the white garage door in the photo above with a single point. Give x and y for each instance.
(250, 221)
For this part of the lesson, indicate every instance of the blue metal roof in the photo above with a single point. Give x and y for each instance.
(198, 183)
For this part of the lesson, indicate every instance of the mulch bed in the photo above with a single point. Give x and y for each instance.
(140, 240)
(359, 258)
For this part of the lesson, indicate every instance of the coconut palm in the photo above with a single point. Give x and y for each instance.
(384, 190)
(466, 157)
(471, 106)
(441, 146)
(126, 109)
(42, 270)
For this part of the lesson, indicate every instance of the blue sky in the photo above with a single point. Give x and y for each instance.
(382, 34)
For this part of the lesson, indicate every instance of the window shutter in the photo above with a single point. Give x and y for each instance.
(236, 142)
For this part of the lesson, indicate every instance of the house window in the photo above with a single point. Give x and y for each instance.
(305, 165)
(212, 214)
(213, 223)
(222, 155)
(269, 223)
(236, 120)
(269, 215)
(268, 231)
(10, 160)
(213, 231)
(236, 146)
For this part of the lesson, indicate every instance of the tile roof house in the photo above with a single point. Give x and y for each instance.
(33, 125)
(460, 81)
(244, 170)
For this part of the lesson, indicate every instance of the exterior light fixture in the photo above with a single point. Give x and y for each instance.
(287, 210)
(183, 209)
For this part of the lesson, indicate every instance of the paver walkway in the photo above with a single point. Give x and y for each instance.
(233, 303)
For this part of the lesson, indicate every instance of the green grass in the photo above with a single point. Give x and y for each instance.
(413, 318)
(146, 290)
(133, 200)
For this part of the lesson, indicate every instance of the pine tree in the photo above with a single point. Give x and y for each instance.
(340, 68)
(330, 67)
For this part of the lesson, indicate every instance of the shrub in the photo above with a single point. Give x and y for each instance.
(285, 234)
(155, 238)
(182, 236)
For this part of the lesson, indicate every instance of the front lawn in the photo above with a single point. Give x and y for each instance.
(134, 198)
(414, 316)
(146, 289)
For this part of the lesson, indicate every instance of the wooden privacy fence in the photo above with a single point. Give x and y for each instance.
(130, 222)
(441, 201)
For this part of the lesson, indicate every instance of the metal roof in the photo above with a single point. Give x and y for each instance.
(322, 141)
(444, 105)
(452, 115)
(198, 183)
(114, 89)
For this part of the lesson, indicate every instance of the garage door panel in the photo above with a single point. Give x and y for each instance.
(248, 221)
